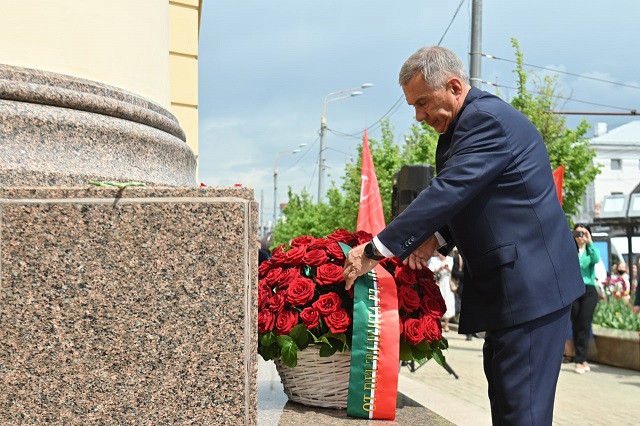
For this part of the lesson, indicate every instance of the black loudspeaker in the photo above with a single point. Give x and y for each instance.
(408, 182)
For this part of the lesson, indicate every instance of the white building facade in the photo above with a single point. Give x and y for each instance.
(618, 154)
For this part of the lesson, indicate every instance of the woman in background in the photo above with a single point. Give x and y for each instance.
(583, 308)
(441, 268)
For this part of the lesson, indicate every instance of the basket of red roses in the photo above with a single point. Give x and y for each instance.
(305, 316)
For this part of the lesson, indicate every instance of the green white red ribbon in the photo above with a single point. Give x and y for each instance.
(373, 378)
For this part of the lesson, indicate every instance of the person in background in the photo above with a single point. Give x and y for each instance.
(457, 273)
(441, 265)
(263, 253)
(495, 199)
(620, 271)
(457, 276)
(583, 308)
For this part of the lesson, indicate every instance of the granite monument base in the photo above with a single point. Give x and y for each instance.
(128, 306)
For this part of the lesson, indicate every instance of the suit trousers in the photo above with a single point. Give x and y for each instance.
(522, 365)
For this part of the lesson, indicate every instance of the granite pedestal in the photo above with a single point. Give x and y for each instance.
(131, 306)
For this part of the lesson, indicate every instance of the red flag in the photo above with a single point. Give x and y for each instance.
(558, 179)
(370, 215)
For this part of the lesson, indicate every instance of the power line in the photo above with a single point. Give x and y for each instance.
(396, 104)
(451, 21)
(558, 96)
(561, 72)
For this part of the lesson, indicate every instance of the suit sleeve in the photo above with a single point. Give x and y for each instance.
(480, 152)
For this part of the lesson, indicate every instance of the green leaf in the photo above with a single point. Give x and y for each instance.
(423, 346)
(439, 357)
(341, 337)
(417, 353)
(300, 335)
(268, 338)
(288, 351)
(269, 352)
(327, 350)
(405, 351)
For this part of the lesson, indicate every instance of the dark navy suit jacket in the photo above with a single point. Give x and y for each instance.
(494, 198)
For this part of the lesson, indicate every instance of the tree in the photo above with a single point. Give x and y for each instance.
(565, 146)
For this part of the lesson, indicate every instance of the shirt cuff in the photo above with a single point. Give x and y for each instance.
(382, 248)
(387, 253)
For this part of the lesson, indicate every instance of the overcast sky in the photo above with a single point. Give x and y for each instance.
(265, 68)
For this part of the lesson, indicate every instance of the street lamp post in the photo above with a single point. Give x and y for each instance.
(323, 129)
(275, 179)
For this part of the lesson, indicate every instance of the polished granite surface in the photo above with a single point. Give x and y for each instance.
(274, 408)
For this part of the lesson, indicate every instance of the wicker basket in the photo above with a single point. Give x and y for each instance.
(317, 381)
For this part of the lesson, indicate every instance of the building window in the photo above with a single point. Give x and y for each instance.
(616, 164)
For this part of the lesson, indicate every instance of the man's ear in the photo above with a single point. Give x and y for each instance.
(454, 85)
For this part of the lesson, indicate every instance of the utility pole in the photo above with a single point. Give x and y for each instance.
(475, 67)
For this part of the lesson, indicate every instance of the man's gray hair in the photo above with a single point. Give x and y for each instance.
(437, 64)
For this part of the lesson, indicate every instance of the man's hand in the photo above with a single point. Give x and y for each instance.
(420, 256)
(636, 309)
(357, 264)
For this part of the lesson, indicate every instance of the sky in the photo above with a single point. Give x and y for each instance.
(266, 68)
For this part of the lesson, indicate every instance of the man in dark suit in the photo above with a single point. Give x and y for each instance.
(494, 198)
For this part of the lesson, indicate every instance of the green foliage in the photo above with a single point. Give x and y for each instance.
(565, 146)
(304, 217)
(616, 313)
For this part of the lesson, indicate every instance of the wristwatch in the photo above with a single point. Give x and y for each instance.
(370, 252)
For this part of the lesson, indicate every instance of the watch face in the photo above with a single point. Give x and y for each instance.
(368, 250)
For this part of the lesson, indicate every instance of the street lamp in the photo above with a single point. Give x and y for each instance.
(275, 179)
(323, 128)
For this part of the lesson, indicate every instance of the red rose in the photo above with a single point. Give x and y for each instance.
(405, 276)
(287, 277)
(429, 288)
(264, 268)
(432, 328)
(408, 298)
(320, 244)
(432, 302)
(424, 273)
(329, 273)
(264, 294)
(304, 240)
(276, 302)
(272, 277)
(294, 256)
(286, 321)
(338, 321)
(401, 323)
(300, 291)
(278, 256)
(266, 321)
(433, 306)
(334, 251)
(327, 303)
(315, 257)
(344, 236)
(414, 331)
(363, 237)
(310, 317)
